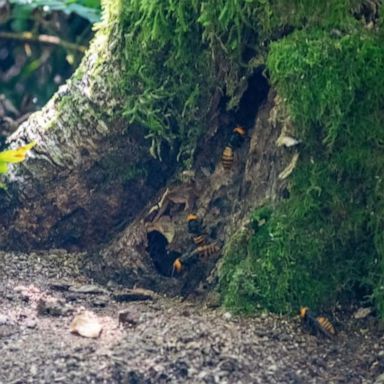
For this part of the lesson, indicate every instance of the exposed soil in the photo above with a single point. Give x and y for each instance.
(161, 340)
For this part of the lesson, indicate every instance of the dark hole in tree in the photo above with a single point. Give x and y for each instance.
(157, 249)
(253, 97)
(284, 193)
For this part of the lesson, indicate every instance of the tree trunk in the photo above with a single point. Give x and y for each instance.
(90, 173)
(144, 252)
(91, 176)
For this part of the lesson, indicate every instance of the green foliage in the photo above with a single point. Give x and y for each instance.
(88, 9)
(167, 77)
(326, 242)
(13, 156)
(177, 55)
(302, 13)
(30, 70)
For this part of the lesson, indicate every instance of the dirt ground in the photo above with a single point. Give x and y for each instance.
(161, 340)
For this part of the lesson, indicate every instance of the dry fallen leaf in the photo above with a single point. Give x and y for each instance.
(287, 141)
(362, 313)
(289, 168)
(86, 324)
(165, 226)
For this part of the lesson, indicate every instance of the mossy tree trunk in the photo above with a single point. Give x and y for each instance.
(91, 173)
(169, 72)
(87, 176)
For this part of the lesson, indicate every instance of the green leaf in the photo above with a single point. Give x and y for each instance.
(88, 9)
(3, 167)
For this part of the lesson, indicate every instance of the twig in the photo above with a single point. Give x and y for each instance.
(45, 39)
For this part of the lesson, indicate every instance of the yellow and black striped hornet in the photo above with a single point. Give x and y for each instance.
(196, 229)
(193, 257)
(236, 139)
(184, 261)
(317, 324)
(207, 250)
(227, 158)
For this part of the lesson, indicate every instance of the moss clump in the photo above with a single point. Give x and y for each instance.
(178, 54)
(173, 67)
(176, 58)
(174, 55)
(326, 242)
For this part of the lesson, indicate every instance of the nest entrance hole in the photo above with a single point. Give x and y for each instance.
(161, 257)
(255, 94)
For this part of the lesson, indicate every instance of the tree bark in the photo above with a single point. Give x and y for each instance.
(222, 199)
(91, 177)
(88, 175)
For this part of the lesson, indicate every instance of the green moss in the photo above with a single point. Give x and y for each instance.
(170, 58)
(326, 241)
(177, 54)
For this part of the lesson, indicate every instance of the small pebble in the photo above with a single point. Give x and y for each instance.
(272, 368)
(33, 370)
(379, 379)
(101, 301)
(30, 323)
(128, 318)
(88, 289)
(4, 320)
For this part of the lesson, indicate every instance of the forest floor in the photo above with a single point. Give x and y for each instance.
(161, 340)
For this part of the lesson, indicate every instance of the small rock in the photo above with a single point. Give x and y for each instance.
(227, 316)
(86, 324)
(30, 323)
(185, 312)
(128, 318)
(111, 284)
(379, 379)
(101, 301)
(33, 370)
(60, 285)
(362, 313)
(88, 289)
(10, 296)
(22, 316)
(53, 307)
(137, 294)
(272, 368)
(72, 297)
(4, 320)
(284, 337)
